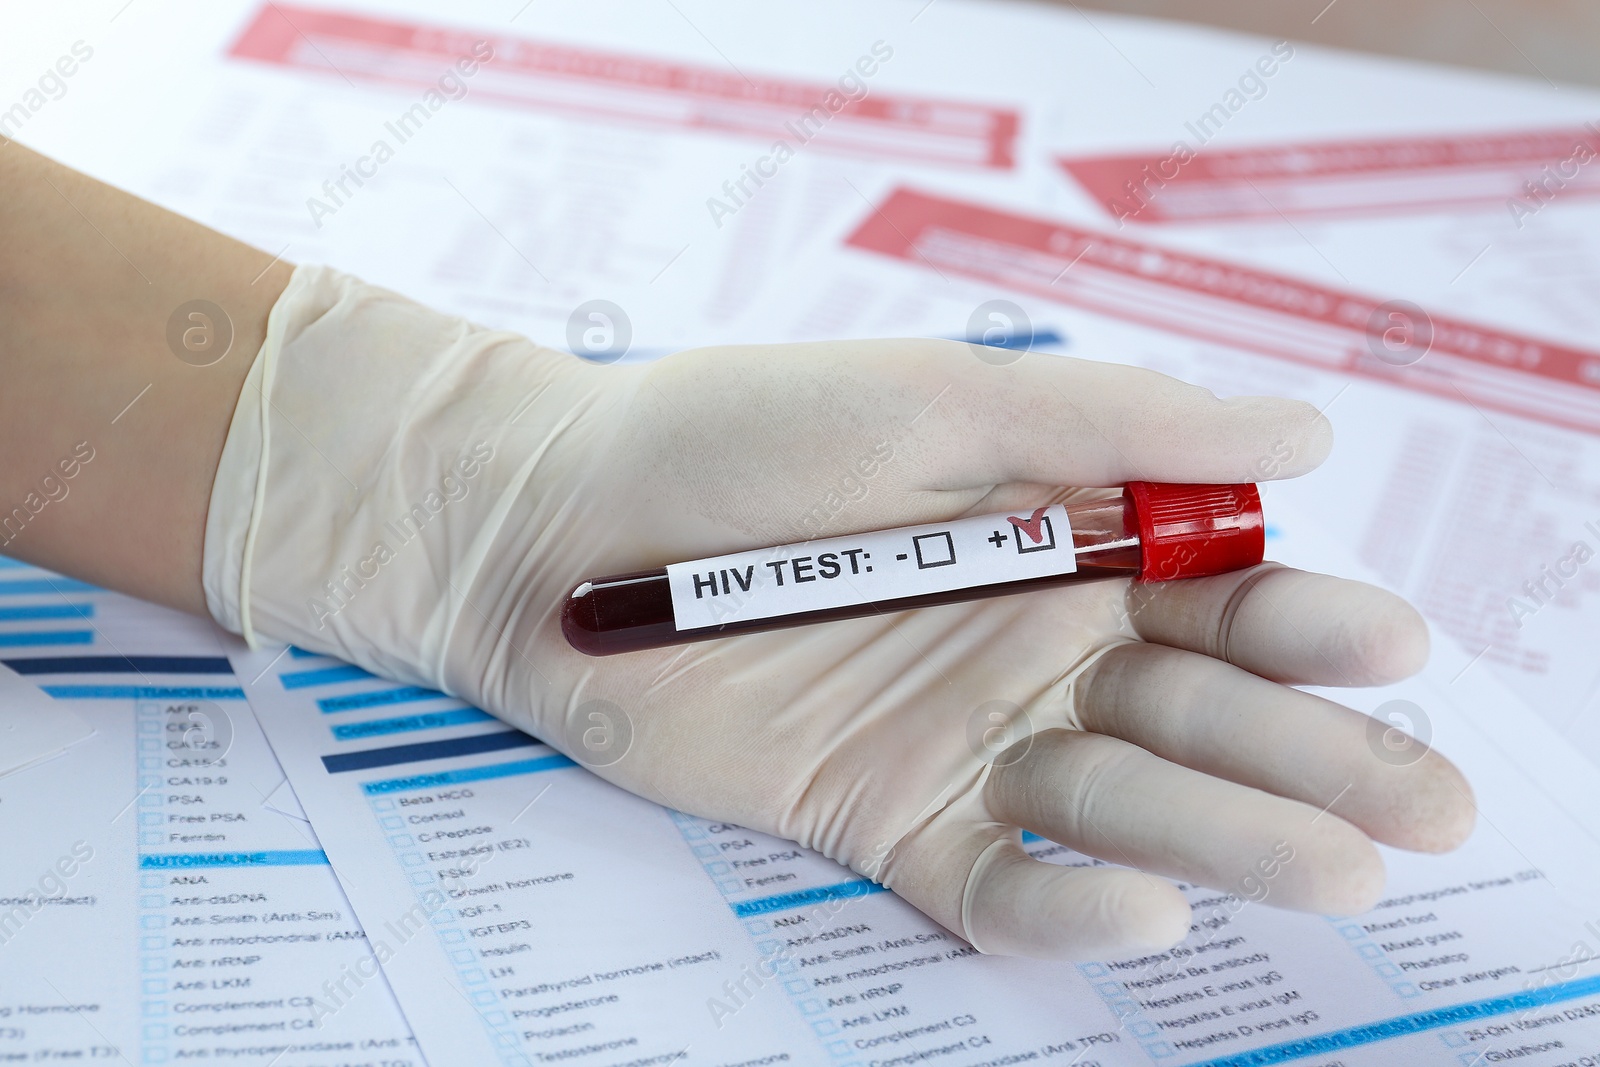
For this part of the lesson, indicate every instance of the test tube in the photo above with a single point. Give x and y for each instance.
(1153, 532)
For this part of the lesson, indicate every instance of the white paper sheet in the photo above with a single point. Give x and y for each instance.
(153, 908)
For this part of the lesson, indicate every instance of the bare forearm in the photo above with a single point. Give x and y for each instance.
(109, 434)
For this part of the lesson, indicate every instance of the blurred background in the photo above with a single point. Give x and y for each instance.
(1554, 40)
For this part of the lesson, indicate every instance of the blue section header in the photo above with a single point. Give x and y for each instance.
(1407, 1025)
(469, 774)
(30, 638)
(44, 586)
(303, 857)
(800, 898)
(121, 665)
(349, 731)
(47, 611)
(1021, 340)
(426, 750)
(379, 698)
(322, 676)
(142, 692)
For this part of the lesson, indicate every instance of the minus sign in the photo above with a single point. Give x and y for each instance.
(901, 556)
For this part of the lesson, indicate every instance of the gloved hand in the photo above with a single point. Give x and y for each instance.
(417, 495)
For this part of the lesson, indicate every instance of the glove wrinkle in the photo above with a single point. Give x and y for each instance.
(975, 877)
(1060, 697)
(965, 803)
(1222, 643)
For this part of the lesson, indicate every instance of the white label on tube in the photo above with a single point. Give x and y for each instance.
(876, 567)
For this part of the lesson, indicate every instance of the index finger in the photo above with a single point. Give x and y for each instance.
(1055, 420)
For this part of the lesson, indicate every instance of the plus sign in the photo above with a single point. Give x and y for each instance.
(997, 540)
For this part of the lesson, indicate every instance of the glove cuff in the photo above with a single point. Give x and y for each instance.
(239, 487)
(340, 517)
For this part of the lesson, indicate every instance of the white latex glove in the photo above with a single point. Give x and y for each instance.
(1160, 732)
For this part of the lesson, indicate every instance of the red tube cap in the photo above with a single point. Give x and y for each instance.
(1189, 531)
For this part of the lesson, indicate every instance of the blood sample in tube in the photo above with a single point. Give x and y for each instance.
(1152, 532)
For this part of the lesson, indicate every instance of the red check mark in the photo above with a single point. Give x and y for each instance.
(1033, 527)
